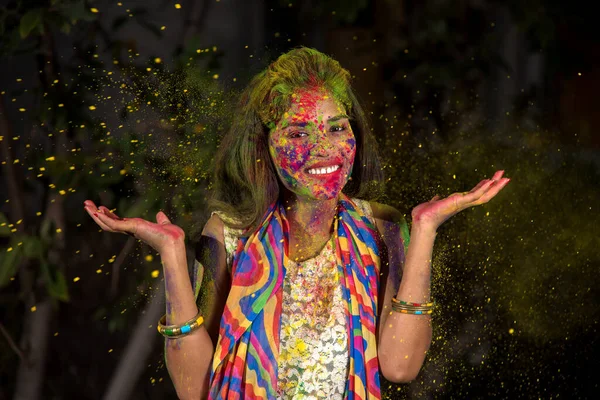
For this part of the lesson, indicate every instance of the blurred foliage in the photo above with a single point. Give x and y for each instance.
(113, 126)
(510, 276)
(341, 11)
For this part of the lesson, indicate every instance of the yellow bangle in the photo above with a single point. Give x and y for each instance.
(177, 331)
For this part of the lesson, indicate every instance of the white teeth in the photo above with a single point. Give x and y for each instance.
(320, 171)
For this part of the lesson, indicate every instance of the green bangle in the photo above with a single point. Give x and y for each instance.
(407, 303)
(415, 312)
(177, 331)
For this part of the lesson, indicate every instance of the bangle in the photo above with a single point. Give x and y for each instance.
(405, 307)
(406, 303)
(415, 312)
(177, 331)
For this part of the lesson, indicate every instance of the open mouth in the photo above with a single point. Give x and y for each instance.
(323, 170)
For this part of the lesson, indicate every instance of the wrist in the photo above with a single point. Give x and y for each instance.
(174, 254)
(423, 229)
(173, 246)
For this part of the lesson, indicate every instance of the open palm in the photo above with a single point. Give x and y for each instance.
(158, 235)
(434, 212)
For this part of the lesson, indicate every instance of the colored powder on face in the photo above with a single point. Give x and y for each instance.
(304, 139)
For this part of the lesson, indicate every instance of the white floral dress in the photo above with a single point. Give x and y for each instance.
(313, 353)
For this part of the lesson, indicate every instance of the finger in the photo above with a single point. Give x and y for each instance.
(162, 218)
(498, 175)
(436, 197)
(480, 184)
(111, 214)
(91, 204)
(126, 226)
(93, 212)
(476, 193)
(493, 191)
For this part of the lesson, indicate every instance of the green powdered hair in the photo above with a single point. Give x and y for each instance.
(245, 181)
(272, 89)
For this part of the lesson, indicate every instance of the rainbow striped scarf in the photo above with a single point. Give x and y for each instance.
(245, 360)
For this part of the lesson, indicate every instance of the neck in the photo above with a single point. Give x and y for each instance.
(310, 220)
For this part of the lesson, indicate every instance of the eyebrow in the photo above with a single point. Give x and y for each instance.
(302, 124)
(338, 117)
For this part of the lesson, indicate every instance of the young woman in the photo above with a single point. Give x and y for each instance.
(307, 299)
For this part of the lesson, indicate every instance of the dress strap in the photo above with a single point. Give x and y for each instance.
(230, 237)
(365, 208)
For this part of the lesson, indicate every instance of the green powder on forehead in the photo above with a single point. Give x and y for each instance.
(271, 92)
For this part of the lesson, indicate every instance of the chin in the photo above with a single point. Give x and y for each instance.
(330, 195)
(307, 192)
(327, 196)
(315, 196)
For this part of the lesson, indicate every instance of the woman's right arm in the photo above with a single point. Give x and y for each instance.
(189, 358)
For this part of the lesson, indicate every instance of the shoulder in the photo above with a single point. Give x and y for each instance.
(214, 227)
(390, 222)
(380, 213)
(210, 241)
(386, 213)
(210, 249)
(219, 227)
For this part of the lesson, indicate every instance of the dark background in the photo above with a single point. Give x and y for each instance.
(125, 104)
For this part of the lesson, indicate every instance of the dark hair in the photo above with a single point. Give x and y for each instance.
(245, 181)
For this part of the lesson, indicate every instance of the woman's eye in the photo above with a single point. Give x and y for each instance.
(337, 128)
(297, 134)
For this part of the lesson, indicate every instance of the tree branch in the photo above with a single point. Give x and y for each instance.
(116, 268)
(138, 348)
(12, 343)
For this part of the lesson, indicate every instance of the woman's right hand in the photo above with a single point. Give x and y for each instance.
(160, 235)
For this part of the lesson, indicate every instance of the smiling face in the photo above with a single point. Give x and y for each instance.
(312, 146)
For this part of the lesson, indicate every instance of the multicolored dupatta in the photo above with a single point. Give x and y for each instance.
(245, 360)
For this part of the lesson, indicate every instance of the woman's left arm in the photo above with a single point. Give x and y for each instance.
(405, 338)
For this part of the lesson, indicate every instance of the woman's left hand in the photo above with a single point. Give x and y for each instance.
(432, 214)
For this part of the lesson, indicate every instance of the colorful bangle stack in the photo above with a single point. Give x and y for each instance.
(406, 307)
(177, 331)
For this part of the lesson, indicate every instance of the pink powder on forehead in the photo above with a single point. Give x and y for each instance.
(307, 99)
(310, 95)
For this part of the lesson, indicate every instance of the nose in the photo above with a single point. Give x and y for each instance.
(322, 146)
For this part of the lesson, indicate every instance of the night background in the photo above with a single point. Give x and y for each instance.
(124, 103)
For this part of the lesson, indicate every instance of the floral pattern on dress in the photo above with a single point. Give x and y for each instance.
(313, 350)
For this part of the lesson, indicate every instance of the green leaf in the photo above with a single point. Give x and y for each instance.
(46, 230)
(56, 283)
(4, 229)
(32, 247)
(11, 260)
(30, 21)
(59, 289)
(76, 11)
